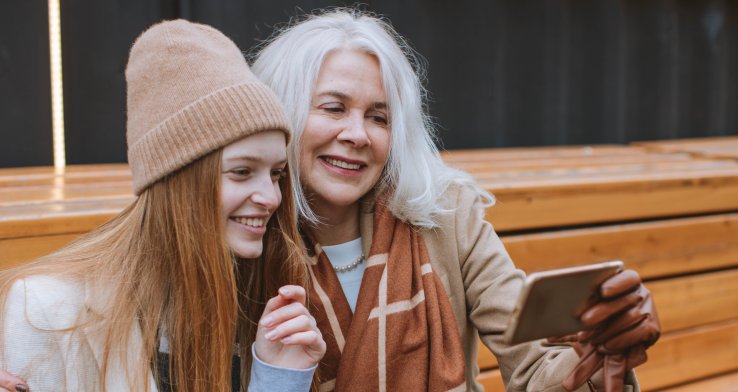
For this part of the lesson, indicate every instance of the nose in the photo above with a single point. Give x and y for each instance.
(268, 195)
(354, 131)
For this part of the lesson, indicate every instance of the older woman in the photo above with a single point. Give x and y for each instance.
(406, 273)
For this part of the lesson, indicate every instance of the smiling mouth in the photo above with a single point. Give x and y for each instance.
(342, 164)
(253, 222)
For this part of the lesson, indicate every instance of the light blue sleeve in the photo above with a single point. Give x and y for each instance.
(265, 377)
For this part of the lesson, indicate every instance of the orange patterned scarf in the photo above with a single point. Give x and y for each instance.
(403, 336)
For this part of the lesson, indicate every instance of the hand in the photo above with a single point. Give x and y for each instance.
(12, 383)
(618, 330)
(288, 335)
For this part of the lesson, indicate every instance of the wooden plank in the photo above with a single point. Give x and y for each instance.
(52, 218)
(75, 174)
(676, 359)
(713, 147)
(17, 251)
(605, 174)
(691, 355)
(481, 166)
(696, 300)
(654, 249)
(23, 195)
(485, 359)
(69, 171)
(61, 181)
(723, 383)
(527, 206)
(516, 153)
(491, 380)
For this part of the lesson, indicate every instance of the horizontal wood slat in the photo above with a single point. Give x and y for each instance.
(691, 355)
(539, 206)
(678, 358)
(723, 383)
(16, 251)
(713, 147)
(655, 248)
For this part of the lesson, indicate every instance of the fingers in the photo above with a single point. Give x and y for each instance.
(285, 295)
(643, 333)
(606, 309)
(284, 313)
(620, 284)
(281, 331)
(310, 338)
(636, 356)
(623, 322)
(12, 382)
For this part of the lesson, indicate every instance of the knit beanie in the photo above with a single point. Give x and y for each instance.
(190, 92)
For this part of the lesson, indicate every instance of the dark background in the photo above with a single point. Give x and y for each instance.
(500, 73)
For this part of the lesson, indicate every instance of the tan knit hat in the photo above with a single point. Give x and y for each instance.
(190, 92)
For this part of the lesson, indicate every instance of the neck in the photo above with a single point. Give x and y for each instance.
(338, 224)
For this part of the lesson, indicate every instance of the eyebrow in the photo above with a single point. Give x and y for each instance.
(343, 96)
(253, 159)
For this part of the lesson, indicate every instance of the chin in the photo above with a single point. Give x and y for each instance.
(247, 252)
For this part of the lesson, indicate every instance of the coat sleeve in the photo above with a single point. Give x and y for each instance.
(28, 350)
(492, 284)
(266, 377)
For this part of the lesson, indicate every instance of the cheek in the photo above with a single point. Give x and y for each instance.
(227, 199)
(381, 145)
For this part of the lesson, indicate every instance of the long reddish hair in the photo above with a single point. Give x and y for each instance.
(163, 264)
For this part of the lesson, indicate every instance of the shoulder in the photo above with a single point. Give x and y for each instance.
(46, 302)
(461, 201)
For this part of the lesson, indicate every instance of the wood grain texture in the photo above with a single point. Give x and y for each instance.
(654, 248)
(691, 355)
(712, 147)
(723, 383)
(17, 251)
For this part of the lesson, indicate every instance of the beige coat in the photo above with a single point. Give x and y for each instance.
(37, 311)
(483, 284)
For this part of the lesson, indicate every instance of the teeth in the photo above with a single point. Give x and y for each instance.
(253, 222)
(342, 164)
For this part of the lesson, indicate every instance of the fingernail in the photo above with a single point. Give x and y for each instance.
(266, 321)
(286, 340)
(21, 388)
(285, 291)
(269, 335)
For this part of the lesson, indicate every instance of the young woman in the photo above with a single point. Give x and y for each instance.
(168, 294)
(405, 271)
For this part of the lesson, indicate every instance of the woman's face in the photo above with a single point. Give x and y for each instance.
(252, 168)
(347, 134)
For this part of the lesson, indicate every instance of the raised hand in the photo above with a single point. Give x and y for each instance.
(12, 383)
(288, 335)
(619, 329)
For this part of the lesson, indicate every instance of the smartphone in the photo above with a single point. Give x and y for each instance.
(552, 301)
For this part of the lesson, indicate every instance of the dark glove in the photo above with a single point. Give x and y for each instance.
(618, 330)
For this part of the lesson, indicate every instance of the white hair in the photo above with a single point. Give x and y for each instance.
(289, 63)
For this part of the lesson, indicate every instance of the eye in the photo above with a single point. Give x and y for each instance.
(279, 174)
(379, 118)
(239, 173)
(332, 108)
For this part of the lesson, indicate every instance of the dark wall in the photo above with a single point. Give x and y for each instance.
(500, 73)
(25, 92)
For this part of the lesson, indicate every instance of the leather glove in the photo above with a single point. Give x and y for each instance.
(618, 330)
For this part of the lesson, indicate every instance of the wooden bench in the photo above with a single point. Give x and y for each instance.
(670, 213)
(41, 210)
